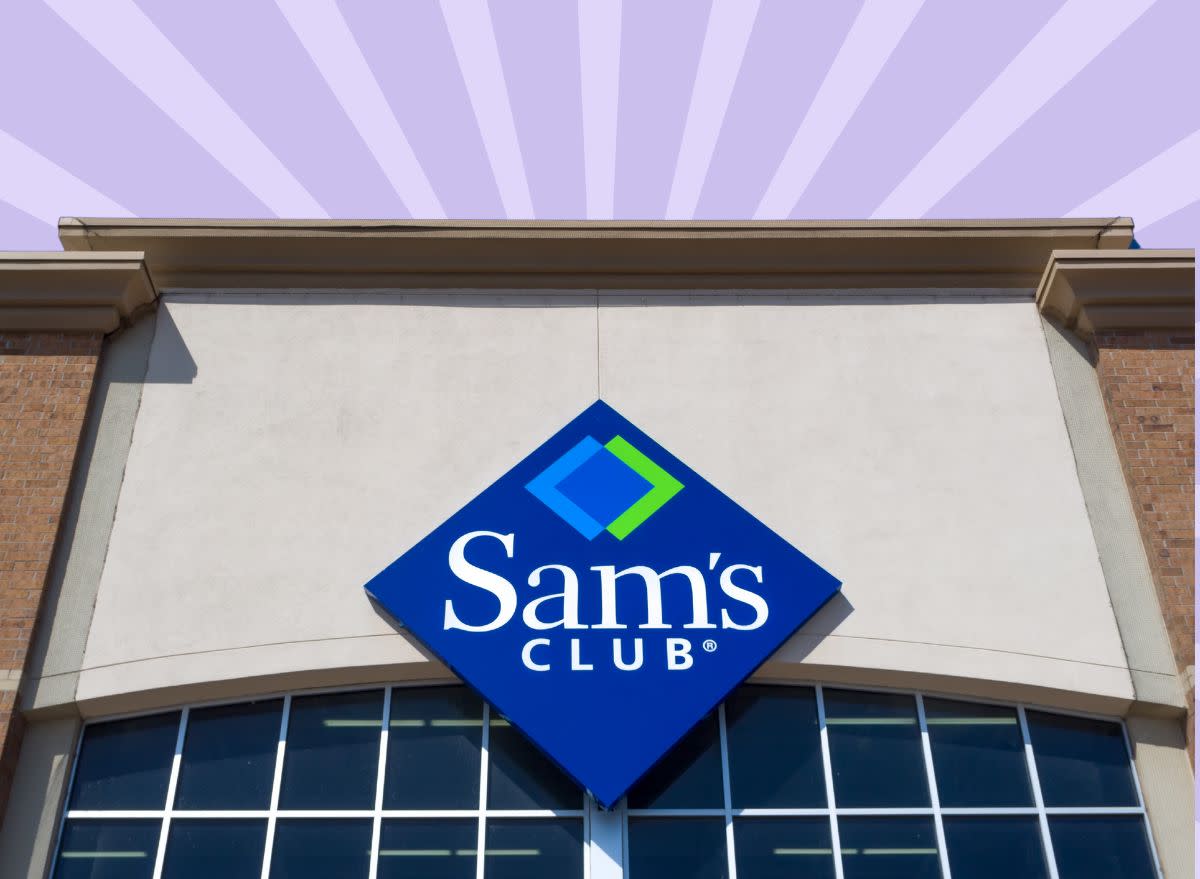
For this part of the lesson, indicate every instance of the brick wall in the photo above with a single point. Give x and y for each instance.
(45, 382)
(1148, 379)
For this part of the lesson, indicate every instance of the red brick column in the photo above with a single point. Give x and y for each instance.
(1148, 379)
(45, 382)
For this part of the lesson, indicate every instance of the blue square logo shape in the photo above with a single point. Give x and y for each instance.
(602, 616)
(604, 486)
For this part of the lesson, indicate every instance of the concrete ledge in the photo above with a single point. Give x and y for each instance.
(280, 254)
(1089, 290)
(72, 292)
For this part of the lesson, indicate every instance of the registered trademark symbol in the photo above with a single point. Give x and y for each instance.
(709, 646)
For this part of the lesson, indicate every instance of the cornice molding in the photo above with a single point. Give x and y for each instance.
(1090, 291)
(280, 254)
(72, 292)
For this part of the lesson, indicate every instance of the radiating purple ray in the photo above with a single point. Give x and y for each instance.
(1180, 229)
(20, 231)
(660, 50)
(1076, 34)
(409, 52)
(31, 182)
(791, 47)
(1121, 111)
(470, 26)
(725, 39)
(1167, 183)
(326, 37)
(952, 51)
(265, 75)
(599, 74)
(879, 27)
(107, 133)
(541, 68)
(123, 34)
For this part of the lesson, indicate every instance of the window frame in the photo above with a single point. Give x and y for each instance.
(602, 828)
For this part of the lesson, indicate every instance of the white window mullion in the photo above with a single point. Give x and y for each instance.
(481, 831)
(377, 820)
(827, 764)
(1047, 845)
(276, 781)
(934, 800)
(171, 785)
(730, 854)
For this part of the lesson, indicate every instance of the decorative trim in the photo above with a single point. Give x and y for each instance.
(282, 254)
(1090, 290)
(72, 292)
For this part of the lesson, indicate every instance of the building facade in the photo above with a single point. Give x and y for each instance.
(213, 434)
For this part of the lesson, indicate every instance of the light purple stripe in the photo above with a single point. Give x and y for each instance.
(121, 32)
(876, 31)
(40, 188)
(599, 62)
(728, 32)
(1075, 35)
(1167, 183)
(470, 26)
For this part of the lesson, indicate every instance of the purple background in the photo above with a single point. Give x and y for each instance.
(597, 108)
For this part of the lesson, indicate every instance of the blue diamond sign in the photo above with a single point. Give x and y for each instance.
(604, 597)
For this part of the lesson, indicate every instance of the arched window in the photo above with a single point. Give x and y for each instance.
(780, 781)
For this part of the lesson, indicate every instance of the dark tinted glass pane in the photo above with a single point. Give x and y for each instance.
(688, 777)
(125, 764)
(229, 757)
(677, 848)
(312, 848)
(533, 849)
(875, 748)
(995, 847)
(774, 748)
(522, 777)
(428, 849)
(978, 754)
(1081, 762)
(332, 755)
(433, 749)
(783, 848)
(108, 849)
(228, 849)
(1101, 847)
(889, 848)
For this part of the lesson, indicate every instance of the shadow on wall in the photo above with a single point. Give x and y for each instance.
(170, 361)
(823, 623)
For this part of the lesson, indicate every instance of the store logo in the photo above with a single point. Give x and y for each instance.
(602, 596)
(614, 484)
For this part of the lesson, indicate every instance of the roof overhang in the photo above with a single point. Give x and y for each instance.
(72, 292)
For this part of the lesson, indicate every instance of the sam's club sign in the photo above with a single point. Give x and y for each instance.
(604, 597)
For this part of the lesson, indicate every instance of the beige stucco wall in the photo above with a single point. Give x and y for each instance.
(289, 446)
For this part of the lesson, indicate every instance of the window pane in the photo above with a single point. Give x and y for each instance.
(774, 748)
(125, 764)
(995, 847)
(108, 849)
(783, 848)
(332, 754)
(428, 849)
(433, 749)
(533, 849)
(889, 848)
(310, 848)
(1081, 762)
(229, 757)
(978, 754)
(875, 748)
(677, 848)
(688, 777)
(229, 849)
(1101, 847)
(522, 777)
